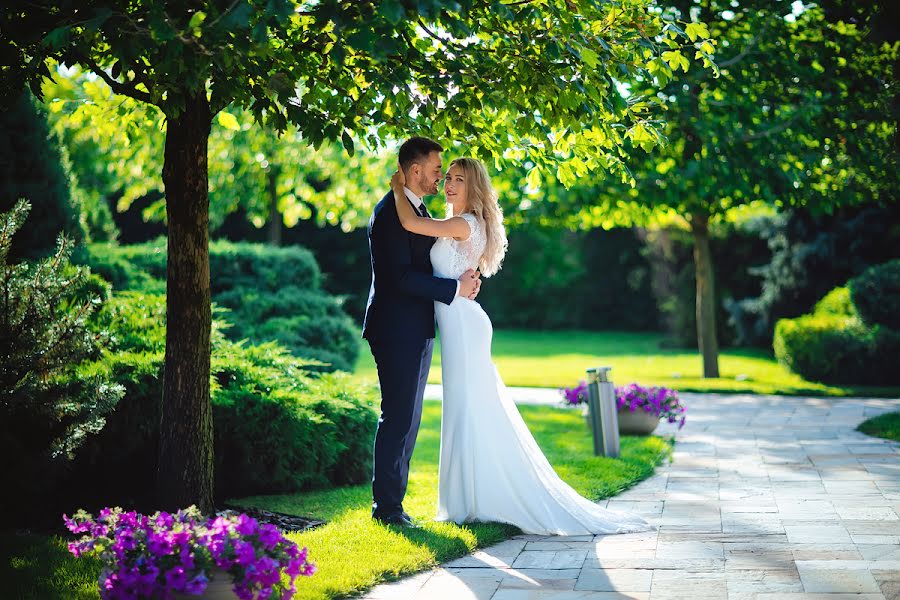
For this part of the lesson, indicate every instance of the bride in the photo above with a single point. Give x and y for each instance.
(491, 469)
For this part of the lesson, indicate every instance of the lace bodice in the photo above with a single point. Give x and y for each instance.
(451, 258)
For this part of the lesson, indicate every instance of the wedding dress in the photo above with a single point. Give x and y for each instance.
(491, 469)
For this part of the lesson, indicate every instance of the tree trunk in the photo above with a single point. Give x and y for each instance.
(706, 298)
(185, 471)
(275, 218)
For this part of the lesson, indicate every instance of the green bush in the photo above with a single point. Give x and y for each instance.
(837, 302)
(827, 348)
(876, 294)
(271, 294)
(277, 427)
(47, 409)
(833, 345)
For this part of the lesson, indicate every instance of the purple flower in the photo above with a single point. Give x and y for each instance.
(246, 525)
(151, 557)
(245, 553)
(269, 536)
(197, 585)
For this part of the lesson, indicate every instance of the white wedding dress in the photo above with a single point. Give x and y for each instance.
(491, 469)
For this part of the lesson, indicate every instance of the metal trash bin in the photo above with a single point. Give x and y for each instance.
(603, 412)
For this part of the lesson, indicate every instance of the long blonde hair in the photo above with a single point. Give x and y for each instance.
(482, 200)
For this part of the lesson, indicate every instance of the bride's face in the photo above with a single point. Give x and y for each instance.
(455, 188)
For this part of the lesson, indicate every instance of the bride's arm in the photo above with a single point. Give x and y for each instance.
(455, 227)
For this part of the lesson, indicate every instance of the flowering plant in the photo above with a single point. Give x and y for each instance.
(659, 401)
(156, 556)
(574, 396)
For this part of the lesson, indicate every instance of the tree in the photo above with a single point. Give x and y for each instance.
(799, 116)
(33, 168)
(116, 148)
(47, 407)
(509, 80)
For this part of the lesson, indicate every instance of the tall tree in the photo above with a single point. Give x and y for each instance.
(801, 114)
(512, 80)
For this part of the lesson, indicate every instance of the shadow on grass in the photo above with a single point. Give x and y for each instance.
(39, 567)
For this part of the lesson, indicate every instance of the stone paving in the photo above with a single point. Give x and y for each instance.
(767, 498)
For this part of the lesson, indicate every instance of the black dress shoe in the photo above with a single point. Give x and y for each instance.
(396, 519)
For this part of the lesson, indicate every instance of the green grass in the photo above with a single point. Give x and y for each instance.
(353, 553)
(559, 358)
(39, 567)
(885, 426)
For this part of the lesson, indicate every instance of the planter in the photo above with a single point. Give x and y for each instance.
(637, 423)
(218, 588)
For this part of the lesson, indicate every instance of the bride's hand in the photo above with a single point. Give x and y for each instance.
(398, 181)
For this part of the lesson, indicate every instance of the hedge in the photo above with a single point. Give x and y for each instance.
(270, 293)
(278, 427)
(850, 338)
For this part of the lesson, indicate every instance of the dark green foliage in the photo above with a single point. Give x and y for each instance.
(810, 255)
(669, 253)
(554, 279)
(47, 409)
(834, 345)
(270, 294)
(277, 427)
(31, 167)
(876, 294)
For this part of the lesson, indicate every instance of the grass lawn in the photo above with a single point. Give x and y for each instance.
(353, 553)
(559, 358)
(884, 426)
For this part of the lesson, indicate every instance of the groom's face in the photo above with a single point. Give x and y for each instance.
(430, 173)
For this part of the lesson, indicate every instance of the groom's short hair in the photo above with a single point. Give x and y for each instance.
(415, 149)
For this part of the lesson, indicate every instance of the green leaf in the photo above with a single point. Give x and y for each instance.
(590, 58)
(197, 20)
(57, 38)
(676, 59)
(228, 121)
(696, 30)
(347, 141)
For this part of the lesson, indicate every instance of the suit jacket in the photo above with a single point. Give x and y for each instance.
(403, 290)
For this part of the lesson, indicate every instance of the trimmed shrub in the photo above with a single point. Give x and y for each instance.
(876, 294)
(271, 294)
(827, 348)
(833, 345)
(277, 427)
(837, 302)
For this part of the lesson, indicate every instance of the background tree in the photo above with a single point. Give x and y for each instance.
(800, 115)
(33, 167)
(509, 80)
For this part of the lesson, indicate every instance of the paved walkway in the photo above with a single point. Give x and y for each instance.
(768, 498)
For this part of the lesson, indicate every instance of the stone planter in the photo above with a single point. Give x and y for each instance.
(637, 423)
(219, 588)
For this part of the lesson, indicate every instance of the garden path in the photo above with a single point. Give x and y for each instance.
(767, 498)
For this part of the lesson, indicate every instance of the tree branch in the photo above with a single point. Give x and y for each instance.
(117, 86)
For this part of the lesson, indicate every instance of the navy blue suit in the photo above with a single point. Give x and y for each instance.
(399, 327)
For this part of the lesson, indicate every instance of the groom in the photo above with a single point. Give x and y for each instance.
(399, 325)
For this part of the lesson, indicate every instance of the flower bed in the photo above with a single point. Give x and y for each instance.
(159, 555)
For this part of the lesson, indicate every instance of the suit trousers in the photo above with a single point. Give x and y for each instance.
(402, 373)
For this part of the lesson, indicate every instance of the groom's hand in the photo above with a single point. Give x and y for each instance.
(469, 282)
